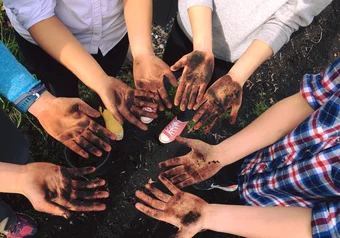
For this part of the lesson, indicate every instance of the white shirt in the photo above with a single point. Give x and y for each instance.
(97, 24)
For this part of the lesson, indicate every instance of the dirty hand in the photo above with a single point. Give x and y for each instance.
(222, 95)
(198, 68)
(149, 72)
(123, 101)
(54, 189)
(183, 210)
(69, 121)
(198, 165)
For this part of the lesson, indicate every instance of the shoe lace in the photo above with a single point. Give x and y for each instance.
(172, 127)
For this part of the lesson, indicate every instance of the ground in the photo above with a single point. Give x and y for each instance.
(134, 160)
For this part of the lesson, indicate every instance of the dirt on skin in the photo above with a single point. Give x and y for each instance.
(134, 160)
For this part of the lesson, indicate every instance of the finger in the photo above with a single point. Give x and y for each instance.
(185, 97)
(192, 98)
(140, 112)
(82, 142)
(102, 131)
(159, 205)
(53, 209)
(133, 120)
(164, 95)
(179, 64)
(174, 171)
(88, 194)
(212, 123)
(158, 193)
(85, 206)
(186, 141)
(172, 79)
(172, 188)
(159, 102)
(95, 140)
(233, 113)
(88, 184)
(79, 172)
(145, 94)
(171, 162)
(141, 103)
(159, 215)
(179, 178)
(200, 97)
(201, 111)
(76, 148)
(186, 183)
(203, 120)
(83, 107)
(180, 91)
(185, 233)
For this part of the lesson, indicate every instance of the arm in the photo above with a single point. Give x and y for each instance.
(264, 222)
(148, 69)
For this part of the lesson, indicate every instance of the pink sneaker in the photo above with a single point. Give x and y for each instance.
(24, 228)
(147, 120)
(172, 130)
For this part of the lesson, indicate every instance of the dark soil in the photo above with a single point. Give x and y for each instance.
(134, 160)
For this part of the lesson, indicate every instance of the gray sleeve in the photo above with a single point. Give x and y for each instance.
(295, 13)
(191, 3)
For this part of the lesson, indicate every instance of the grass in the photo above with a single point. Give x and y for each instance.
(261, 106)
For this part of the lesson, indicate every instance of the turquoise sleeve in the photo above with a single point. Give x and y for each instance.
(14, 78)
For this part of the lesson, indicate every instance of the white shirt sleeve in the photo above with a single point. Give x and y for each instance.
(30, 12)
(292, 15)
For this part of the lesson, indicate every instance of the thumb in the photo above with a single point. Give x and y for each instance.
(53, 209)
(234, 112)
(183, 234)
(186, 141)
(179, 64)
(85, 108)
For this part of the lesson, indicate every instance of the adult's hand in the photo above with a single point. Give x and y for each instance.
(198, 68)
(69, 121)
(149, 73)
(183, 210)
(55, 190)
(222, 95)
(125, 102)
(198, 165)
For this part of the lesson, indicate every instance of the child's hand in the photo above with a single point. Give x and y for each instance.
(149, 72)
(123, 101)
(198, 68)
(56, 190)
(222, 95)
(198, 165)
(183, 210)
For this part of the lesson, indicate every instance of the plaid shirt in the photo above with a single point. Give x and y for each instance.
(303, 168)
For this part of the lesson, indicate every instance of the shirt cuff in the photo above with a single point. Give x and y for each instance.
(192, 3)
(273, 36)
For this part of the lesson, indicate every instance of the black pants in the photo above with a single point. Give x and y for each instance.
(179, 45)
(58, 79)
(14, 149)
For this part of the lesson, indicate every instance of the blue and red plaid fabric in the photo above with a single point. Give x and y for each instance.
(303, 168)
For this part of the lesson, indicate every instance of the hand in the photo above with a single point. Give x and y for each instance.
(53, 189)
(149, 72)
(123, 101)
(198, 68)
(183, 210)
(220, 96)
(68, 120)
(198, 165)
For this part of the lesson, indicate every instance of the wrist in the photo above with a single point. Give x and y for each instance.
(41, 104)
(207, 213)
(142, 51)
(238, 77)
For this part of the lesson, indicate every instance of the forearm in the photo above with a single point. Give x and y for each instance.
(138, 17)
(253, 57)
(9, 177)
(201, 25)
(259, 221)
(53, 37)
(271, 126)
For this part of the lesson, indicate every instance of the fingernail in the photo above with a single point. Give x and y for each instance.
(65, 216)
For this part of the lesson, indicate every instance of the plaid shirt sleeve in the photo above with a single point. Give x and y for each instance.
(318, 88)
(326, 220)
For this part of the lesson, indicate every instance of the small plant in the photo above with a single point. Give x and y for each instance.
(169, 115)
(260, 107)
(242, 123)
